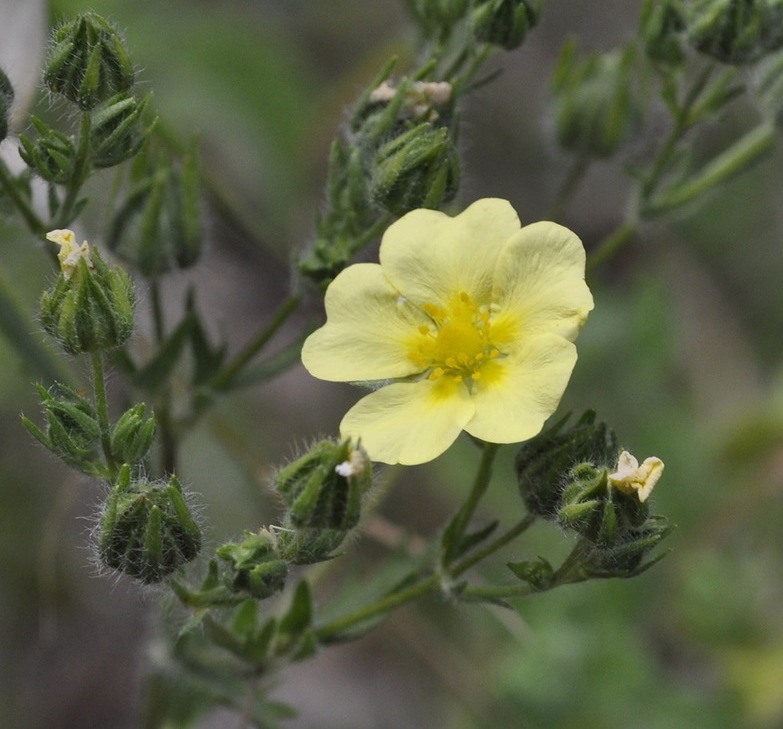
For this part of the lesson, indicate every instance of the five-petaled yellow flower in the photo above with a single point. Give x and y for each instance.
(466, 324)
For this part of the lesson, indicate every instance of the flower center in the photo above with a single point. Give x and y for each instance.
(459, 344)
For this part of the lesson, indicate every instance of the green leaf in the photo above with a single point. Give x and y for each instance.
(300, 614)
(155, 372)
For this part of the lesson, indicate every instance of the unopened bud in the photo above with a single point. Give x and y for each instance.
(158, 227)
(90, 307)
(736, 32)
(147, 530)
(88, 62)
(434, 14)
(324, 488)
(72, 431)
(255, 567)
(119, 130)
(132, 435)
(418, 169)
(596, 108)
(505, 23)
(662, 30)
(52, 156)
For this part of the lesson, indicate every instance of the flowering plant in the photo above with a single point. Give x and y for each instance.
(469, 321)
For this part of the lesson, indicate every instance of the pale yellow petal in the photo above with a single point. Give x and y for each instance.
(411, 422)
(539, 283)
(432, 257)
(368, 329)
(518, 393)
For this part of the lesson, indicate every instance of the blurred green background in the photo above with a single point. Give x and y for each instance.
(682, 355)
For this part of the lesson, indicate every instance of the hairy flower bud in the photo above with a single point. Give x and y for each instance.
(662, 30)
(255, 565)
(543, 463)
(418, 169)
(324, 488)
(505, 22)
(52, 156)
(132, 435)
(119, 130)
(158, 227)
(6, 99)
(90, 307)
(595, 106)
(72, 431)
(88, 62)
(735, 31)
(147, 530)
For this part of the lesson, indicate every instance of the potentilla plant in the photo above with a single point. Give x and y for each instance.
(468, 322)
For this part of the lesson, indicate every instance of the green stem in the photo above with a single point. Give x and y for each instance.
(102, 410)
(424, 586)
(226, 376)
(456, 528)
(81, 173)
(382, 606)
(169, 449)
(611, 245)
(568, 189)
(493, 546)
(34, 223)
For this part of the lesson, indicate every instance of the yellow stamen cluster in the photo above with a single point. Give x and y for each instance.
(458, 344)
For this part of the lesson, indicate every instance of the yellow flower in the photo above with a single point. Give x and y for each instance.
(70, 252)
(632, 478)
(474, 318)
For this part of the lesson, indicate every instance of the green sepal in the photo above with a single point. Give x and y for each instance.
(132, 435)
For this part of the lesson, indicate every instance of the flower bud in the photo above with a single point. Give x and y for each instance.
(418, 169)
(119, 130)
(88, 62)
(90, 307)
(735, 31)
(544, 463)
(52, 156)
(324, 488)
(434, 14)
(147, 530)
(158, 227)
(662, 31)
(132, 435)
(255, 566)
(72, 431)
(595, 106)
(6, 99)
(505, 22)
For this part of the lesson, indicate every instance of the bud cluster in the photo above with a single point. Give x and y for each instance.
(399, 154)
(596, 107)
(736, 32)
(158, 226)
(323, 492)
(579, 478)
